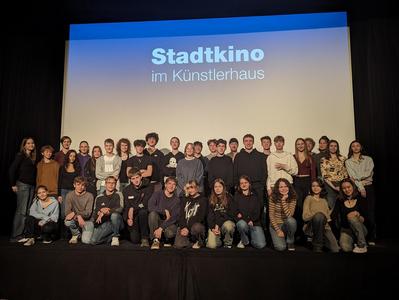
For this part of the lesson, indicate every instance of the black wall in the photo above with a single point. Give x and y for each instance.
(32, 68)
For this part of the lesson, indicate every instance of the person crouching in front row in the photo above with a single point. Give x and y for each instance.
(107, 216)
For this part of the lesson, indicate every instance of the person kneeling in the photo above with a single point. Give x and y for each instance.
(164, 210)
(78, 209)
(281, 211)
(220, 217)
(43, 217)
(192, 218)
(107, 215)
(136, 196)
(248, 214)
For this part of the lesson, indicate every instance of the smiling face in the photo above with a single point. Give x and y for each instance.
(124, 147)
(47, 153)
(151, 141)
(109, 148)
(192, 189)
(80, 187)
(170, 186)
(283, 188)
(189, 151)
(218, 188)
(72, 157)
(244, 184)
(42, 193)
(300, 145)
(333, 147)
(323, 145)
(136, 180)
(248, 143)
(356, 148)
(212, 147)
(29, 145)
(347, 188)
(84, 148)
(96, 153)
(221, 148)
(66, 143)
(309, 145)
(316, 189)
(233, 146)
(174, 144)
(110, 184)
(279, 145)
(266, 144)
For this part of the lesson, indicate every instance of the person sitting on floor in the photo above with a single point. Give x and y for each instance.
(42, 219)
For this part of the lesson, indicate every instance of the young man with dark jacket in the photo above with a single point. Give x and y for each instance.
(221, 166)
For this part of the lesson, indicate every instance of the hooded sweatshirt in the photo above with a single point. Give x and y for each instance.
(274, 174)
(193, 210)
(137, 198)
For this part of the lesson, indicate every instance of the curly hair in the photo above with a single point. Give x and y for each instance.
(276, 196)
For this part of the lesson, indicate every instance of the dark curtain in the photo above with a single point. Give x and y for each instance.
(375, 65)
(31, 84)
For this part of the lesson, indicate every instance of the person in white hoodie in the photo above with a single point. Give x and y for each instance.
(280, 164)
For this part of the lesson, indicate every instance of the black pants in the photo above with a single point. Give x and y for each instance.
(139, 230)
(302, 188)
(32, 229)
(196, 234)
(370, 221)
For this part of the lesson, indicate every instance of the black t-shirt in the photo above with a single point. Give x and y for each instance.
(139, 162)
(157, 159)
(123, 174)
(170, 163)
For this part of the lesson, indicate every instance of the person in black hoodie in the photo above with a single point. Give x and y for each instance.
(106, 215)
(23, 178)
(193, 211)
(135, 213)
(247, 215)
(221, 166)
(352, 210)
(220, 216)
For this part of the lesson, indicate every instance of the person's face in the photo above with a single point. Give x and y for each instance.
(244, 184)
(110, 185)
(66, 144)
(347, 188)
(29, 145)
(109, 147)
(192, 190)
(84, 148)
(174, 144)
(135, 180)
(221, 148)
(309, 145)
(42, 194)
(79, 187)
(96, 153)
(170, 186)
(356, 147)
(139, 149)
(266, 144)
(323, 145)
(151, 142)
(316, 189)
(233, 147)
(333, 148)
(283, 188)
(248, 143)
(212, 147)
(189, 150)
(47, 153)
(279, 145)
(197, 149)
(218, 188)
(124, 147)
(300, 145)
(72, 157)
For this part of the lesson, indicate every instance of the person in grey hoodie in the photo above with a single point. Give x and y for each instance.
(189, 168)
(42, 219)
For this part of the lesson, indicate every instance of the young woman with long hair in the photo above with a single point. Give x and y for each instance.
(22, 175)
(123, 149)
(220, 216)
(90, 170)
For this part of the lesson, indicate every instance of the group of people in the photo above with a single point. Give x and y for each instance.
(186, 199)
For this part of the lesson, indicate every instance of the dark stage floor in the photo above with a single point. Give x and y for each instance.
(62, 271)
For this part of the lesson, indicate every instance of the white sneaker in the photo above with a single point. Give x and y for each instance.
(23, 240)
(155, 244)
(196, 245)
(29, 242)
(241, 245)
(47, 241)
(115, 241)
(360, 250)
(74, 239)
(167, 245)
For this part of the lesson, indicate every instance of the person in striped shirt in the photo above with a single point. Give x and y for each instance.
(281, 211)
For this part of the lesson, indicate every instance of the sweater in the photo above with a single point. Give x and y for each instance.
(248, 206)
(101, 174)
(280, 211)
(157, 158)
(114, 202)
(81, 205)
(275, 174)
(50, 213)
(189, 170)
(193, 210)
(360, 206)
(47, 175)
(22, 169)
(312, 206)
(252, 164)
(218, 214)
(159, 202)
(136, 198)
(221, 167)
(83, 159)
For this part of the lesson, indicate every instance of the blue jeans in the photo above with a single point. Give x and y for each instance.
(64, 192)
(356, 233)
(24, 201)
(255, 233)
(289, 229)
(86, 232)
(107, 230)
